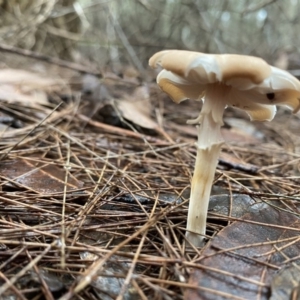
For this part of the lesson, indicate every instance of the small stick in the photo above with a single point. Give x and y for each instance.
(122, 131)
(51, 60)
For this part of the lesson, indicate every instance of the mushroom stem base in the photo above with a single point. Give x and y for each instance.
(206, 164)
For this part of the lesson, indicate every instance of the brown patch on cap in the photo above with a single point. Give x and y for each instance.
(291, 98)
(230, 65)
(239, 66)
(180, 92)
(176, 61)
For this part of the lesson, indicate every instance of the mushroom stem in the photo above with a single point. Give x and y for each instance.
(208, 150)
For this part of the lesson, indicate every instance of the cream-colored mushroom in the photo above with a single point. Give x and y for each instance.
(244, 82)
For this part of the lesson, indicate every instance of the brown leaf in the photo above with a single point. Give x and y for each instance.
(36, 176)
(137, 109)
(246, 272)
(23, 86)
(220, 205)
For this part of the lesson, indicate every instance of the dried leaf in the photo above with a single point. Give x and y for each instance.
(137, 109)
(23, 86)
(38, 177)
(246, 272)
(220, 204)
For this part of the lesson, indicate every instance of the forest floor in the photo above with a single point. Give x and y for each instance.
(94, 186)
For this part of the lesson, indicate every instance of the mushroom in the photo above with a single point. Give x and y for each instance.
(244, 82)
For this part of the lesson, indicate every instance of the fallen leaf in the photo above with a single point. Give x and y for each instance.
(137, 108)
(220, 204)
(36, 176)
(243, 258)
(24, 86)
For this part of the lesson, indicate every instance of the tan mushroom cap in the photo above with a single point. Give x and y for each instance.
(253, 85)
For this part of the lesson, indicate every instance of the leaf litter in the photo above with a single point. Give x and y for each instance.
(97, 200)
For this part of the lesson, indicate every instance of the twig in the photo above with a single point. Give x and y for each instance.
(48, 59)
(121, 131)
